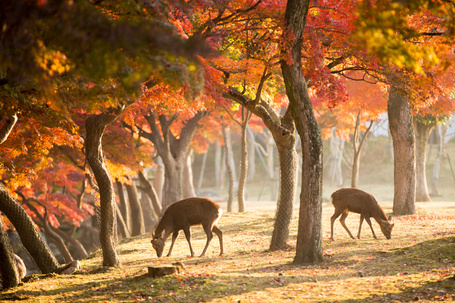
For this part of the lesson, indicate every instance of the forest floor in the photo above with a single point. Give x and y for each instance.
(416, 265)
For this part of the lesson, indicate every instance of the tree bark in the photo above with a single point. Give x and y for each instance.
(138, 227)
(30, 237)
(8, 270)
(82, 253)
(422, 134)
(158, 183)
(219, 166)
(243, 161)
(95, 126)
(400, 124)
(172, 150)
(151, 193)
(122, 229)
(357, 144)
(437, 162)
(287, 157)
(282, 130)
(309, 238)
(202, 171)
(58, 241)
(251, 140)
(228, 153)
(124, 206)
(188, 184)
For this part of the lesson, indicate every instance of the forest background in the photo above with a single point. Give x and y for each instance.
(87, 105)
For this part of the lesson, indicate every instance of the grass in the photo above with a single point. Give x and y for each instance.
(416, 265)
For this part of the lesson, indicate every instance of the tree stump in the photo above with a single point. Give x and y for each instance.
(164, 270)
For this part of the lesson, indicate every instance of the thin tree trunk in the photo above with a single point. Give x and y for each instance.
(150, 217)
(124, 207)
(357, 144)
(309, 238)
(228, 153)
(400, 125)
(151, 193)
(121, 225)
(441, 130)
(138, 227)
(95, 126)
(202, 171)
(422, 134)
(188, 185)
(8, 270)
(58, 241)
(220, 165)
(82, 253)
(251, 140)
(159, 179)
(243, 161)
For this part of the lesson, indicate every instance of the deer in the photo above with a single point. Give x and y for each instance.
(183, 214)
(358, 201)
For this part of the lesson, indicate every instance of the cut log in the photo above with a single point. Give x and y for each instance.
(164, 270)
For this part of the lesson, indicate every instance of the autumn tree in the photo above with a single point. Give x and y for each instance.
(87, 61)
(422, 32)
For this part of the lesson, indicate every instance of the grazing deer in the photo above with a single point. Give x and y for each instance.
(358, 201)
(183, 214)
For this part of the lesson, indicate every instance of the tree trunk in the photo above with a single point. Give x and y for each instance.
(228, 153)
(124, 207)
(220, 166)
(357, 144)
(8, 270)
(95, 126)
(287, 156)
(336, 150)
(151, 193)
(422, 133)
(251, 140)
(282, 130)
(158, 183)
(30, 237)
(202, 171)
(243, 161)
(309, 238)
(122, 229)
(173, 150)
(441, 130)
(42, 223)
(400, 125)
(150, 217)
(138, 227)
(82, 253)
(188, 185)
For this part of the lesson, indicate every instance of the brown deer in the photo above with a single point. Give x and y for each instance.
(183, 214)
(358, 201)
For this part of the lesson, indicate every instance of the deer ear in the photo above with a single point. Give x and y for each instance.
(390, 218)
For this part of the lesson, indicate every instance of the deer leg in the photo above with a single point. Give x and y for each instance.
(360, 225)
(332, 220)
(343, 217)
(174, 237)
(367, 218)
(208, 232)
(218, 232)
(186, 230)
